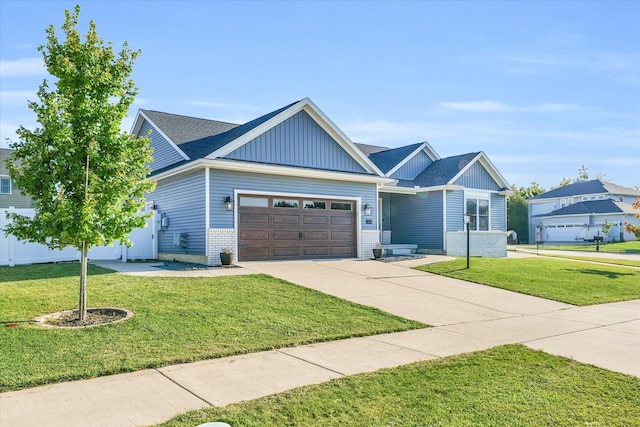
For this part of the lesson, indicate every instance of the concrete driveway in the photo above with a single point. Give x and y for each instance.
(605, 335)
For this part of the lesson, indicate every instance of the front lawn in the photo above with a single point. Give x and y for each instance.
(556, 279)
(614, 248)
(176, 320)
(504, 386)
(616, 261)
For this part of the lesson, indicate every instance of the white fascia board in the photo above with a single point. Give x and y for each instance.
(320, 118)
(328, 126)
(137, 127)
(261, 168)
(257, 131)
(414, 190)
(430, 151)
(426, 147)
(409, 157)
(488, 166)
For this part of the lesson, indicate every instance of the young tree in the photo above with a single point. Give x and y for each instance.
(86, 177)
(583, 173)
(634, 228)
(518, 210)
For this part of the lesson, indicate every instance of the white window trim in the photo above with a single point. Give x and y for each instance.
(10, 184)
(478, 195)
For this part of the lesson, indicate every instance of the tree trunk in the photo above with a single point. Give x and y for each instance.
(82, 305)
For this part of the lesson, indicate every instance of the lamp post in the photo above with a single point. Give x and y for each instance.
(467, 221)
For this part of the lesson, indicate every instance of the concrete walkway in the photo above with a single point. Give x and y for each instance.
(467, 317)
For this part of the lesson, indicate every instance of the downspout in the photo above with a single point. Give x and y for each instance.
(444, 221)
(207, 213)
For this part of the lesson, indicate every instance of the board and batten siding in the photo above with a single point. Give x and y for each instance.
(455, 210)
(298, 141)
(417, 219)
(164, 154)
(477, 177)
(498, 206)
(224, 183)
(182, 200)
(413, 167)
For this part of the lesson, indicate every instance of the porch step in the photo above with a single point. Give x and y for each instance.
(400, 249)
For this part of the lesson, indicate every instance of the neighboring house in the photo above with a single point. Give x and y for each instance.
(10, 195)
(291, 185)
(578, 211)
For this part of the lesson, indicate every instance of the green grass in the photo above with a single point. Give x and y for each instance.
(615, 261)
(176, 320)
(555, 279)
(503, 386)
(614, 248)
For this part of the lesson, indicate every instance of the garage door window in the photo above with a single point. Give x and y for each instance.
(340, 206)
(285, 203)
(309, 204)
(254, 202)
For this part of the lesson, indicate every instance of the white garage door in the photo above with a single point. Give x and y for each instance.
(564, 232)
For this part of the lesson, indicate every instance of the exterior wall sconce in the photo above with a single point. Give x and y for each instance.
(367, 210)
(228, 203)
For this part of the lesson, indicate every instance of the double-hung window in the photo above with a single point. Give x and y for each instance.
(477, 208)
(5, 185)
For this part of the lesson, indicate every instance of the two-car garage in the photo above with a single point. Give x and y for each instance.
(284, 227)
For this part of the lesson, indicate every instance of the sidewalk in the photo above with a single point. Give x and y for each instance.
(467, 317)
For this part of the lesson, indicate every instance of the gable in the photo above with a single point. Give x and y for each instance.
(164, 153)
(413, 167)
(476, 176)
(297, 141)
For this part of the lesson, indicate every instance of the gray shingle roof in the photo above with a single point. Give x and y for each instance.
(592, 207)
(201, 137)
(594, 186)
(183, 129)
(388, 159)
(440, 172)
(202, 147)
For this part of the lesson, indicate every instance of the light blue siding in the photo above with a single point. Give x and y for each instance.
(477, 177)
(498, 212)
(413, 167)
(223, 183)
(455, 210)
(298, 141)
(182, 200)
(15, 199)
(164, 154)
(417, 219)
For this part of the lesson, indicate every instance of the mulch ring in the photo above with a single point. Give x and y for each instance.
(95, 317)
(396, 258)
(190, 266)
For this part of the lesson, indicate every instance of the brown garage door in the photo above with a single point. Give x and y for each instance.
(272, 227)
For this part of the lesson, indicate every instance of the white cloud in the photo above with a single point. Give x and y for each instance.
(477, 106)
(630, 162)
(222, 105)
(17, 97)
(489, 106)
(22, 67)
(621, 65)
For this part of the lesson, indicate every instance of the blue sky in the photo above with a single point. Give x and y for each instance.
(541, 87)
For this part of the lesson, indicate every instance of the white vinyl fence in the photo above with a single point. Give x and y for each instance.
(16, 252)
